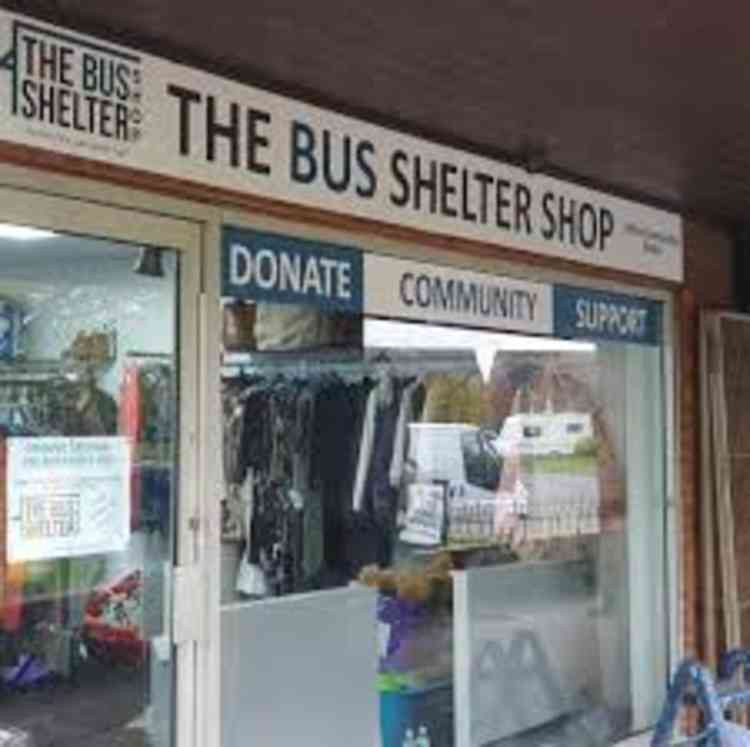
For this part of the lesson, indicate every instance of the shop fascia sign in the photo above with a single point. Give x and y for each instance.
(74, 94)
(267, 267)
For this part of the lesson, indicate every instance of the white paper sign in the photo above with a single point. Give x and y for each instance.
(74, 94)
(439, 294)
(425, 515)
(67, 497)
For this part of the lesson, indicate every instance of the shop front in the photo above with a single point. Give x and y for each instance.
(317, 433)
(475, 461)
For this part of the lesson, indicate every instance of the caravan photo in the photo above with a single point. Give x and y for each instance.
(545, 434)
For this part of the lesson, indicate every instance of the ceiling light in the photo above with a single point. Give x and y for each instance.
(23, 233)
(149, 263)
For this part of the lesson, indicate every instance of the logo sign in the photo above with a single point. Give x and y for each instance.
(598, 315)
(66, 89)
(445, 295)
(281, 269)
(73, 94)
(67, 497)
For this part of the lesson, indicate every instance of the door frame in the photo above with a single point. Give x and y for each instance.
(187, 606)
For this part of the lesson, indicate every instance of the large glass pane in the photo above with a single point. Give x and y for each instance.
(501, 496)
(88, 446)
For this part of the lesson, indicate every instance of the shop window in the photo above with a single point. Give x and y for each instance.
(492, 492)
(88, 438)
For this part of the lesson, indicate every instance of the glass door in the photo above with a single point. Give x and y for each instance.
(97, 395)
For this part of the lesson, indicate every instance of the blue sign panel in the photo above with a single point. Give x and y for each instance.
(599, 315)
(258, 266)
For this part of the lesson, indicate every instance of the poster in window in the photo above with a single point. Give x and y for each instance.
(67, 497)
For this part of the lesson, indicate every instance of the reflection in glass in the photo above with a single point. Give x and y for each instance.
(483, 484)
(87, 449)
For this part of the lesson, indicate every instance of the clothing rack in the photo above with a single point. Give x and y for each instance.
(296, 363)
(357, 364)
(31, 372)
(165, 357)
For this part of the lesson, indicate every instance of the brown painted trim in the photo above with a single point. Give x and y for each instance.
(47, 161)
(687, 313)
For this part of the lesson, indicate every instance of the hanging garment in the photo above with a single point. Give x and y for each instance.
(412, 403)
(339, 419)
(373, 493)
(130, 427)
(130, 405)
(275, 539)
(83, 410)
(157, 407)
(251, 581)
(303, 492)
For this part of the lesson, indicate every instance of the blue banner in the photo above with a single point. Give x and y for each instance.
(259, 266)
(581, 313)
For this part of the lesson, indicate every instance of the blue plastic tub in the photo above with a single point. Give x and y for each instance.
(429, 709)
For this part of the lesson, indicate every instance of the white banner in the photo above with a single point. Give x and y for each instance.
(403, 289)
(67, 497)
(74, 94)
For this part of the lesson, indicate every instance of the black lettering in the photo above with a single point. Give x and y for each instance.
(550, 227)
(399, 158)
(187, 98)
(29, 42)
(106, 78)
(63, 107)
(256, 141)
(402, 288)
(92, 101)
(466, 300)
(121, 121)
(466, 212)
(78, 124)
(105, 118)
(89, 72)
(485, 180)
(47, 60)
(122, 74)
(303, 151)
(46, 103)
(428, 183)
(337, 184)
(587, 220)
(503, 202)
(28, 94)
(66, 66)
(447, 190)
(523, 207)
(567, 218)
(368, 189)
(423, 291)
(606, 227)
(443, 294)
(215, 130)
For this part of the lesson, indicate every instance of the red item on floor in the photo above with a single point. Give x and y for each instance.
(112, 623)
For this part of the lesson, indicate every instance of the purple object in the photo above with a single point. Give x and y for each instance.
(28, 672)
(402, 617)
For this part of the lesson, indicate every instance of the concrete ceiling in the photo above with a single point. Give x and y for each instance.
(649, 99)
